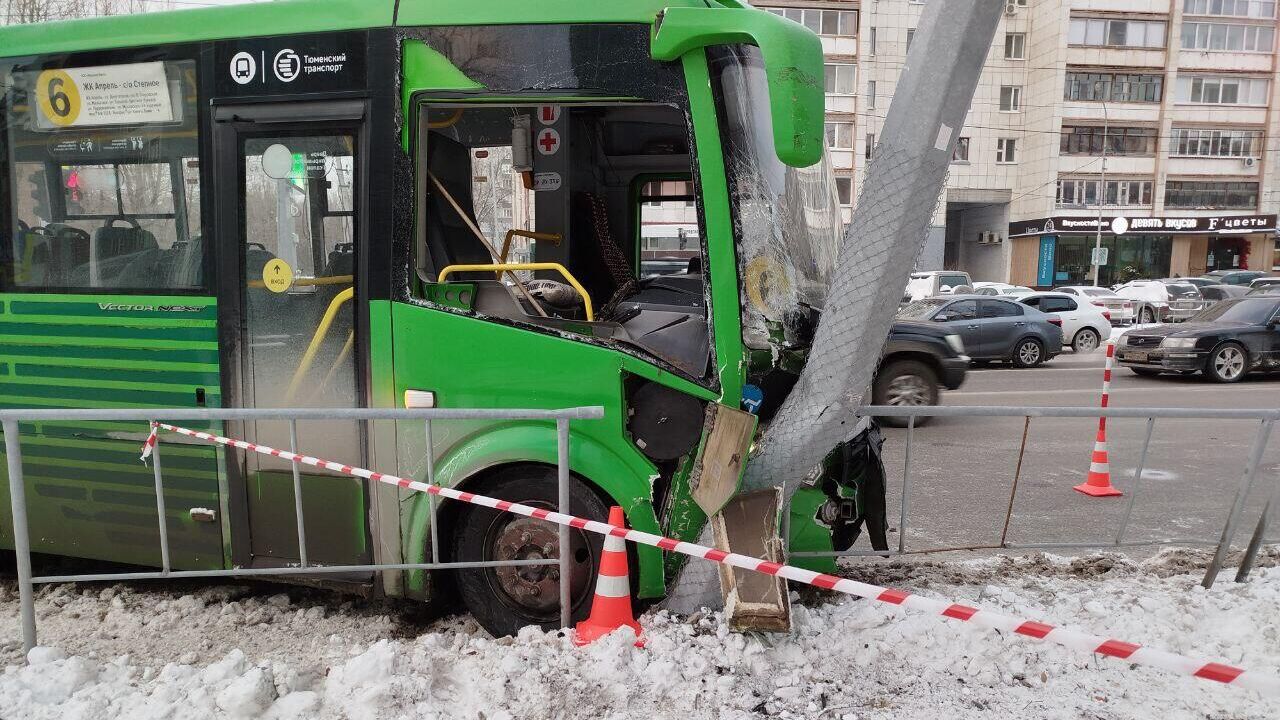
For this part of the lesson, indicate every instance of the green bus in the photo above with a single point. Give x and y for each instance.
(391, 203)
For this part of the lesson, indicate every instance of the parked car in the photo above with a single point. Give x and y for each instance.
(934, 282)
(998, 288)
(918, 358)
(1214, 293)
(993, 328)
(1084, 325)
(1197, 281)
(1225, 341)
(1120, 309)
(1265, 290)
(1162, 300)
(1234, 277)
(1267, 281)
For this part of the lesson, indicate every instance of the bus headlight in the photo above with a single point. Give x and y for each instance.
(956, 343)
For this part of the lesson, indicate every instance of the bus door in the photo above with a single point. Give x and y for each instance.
(290, 224)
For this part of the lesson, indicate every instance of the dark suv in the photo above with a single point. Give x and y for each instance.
(918, 357)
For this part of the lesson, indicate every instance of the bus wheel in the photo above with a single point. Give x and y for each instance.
(505, 599)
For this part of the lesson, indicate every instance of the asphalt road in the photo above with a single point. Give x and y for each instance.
(962, 469)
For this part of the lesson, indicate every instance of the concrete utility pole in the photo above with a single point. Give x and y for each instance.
(904, 182)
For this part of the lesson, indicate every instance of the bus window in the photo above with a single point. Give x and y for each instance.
(105, 192)
(560, 184)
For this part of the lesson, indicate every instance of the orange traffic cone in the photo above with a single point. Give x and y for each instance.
(1098, 483)
(611, 606)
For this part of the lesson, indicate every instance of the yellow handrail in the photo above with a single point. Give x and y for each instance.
(322, 330)
(506, 241)
(513, 267)
(312, 282)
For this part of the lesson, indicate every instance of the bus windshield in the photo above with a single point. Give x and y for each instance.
(786, 220)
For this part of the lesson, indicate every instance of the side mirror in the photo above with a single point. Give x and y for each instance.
(793, 65)
(941, 317)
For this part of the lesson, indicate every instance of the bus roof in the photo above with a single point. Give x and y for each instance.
(290, 17)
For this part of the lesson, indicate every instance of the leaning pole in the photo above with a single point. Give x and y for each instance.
(881, 244)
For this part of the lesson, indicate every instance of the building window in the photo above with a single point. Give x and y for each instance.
(841, 23)
(844, 190)
(1015, 46)
(871, 144)
(871, 41)
(911, 35)
(1101, 32)
(961, 153)
(1211, 195)
(871, 94)
(1231, 8)
(1229, 38)
(1006, 150)
(1083, 192)
(1088, 140)
(840, 135)
(841, 79)
(1113, 87)
(1010, 98)
(1215, 142)
(1214, 90)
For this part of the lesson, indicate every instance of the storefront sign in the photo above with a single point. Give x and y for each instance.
(1212, 224)
(133, 94)
(1048, 243)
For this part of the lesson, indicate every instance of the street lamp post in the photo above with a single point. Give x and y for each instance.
(1102, 195)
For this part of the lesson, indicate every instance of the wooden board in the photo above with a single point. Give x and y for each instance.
(748, 525)
(722, 456)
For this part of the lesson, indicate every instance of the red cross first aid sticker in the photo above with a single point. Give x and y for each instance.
(548, 114)
(548, 141)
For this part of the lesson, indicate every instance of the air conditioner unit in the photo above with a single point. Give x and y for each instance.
(1249, 161)
(996, 239)
(1010, 8)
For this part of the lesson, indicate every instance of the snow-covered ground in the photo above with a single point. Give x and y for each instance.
(243, 651)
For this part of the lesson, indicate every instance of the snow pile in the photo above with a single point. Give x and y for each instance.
(130, 652)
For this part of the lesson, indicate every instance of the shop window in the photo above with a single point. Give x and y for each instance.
(102, 199)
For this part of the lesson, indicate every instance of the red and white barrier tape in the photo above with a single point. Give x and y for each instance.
(1085, 642)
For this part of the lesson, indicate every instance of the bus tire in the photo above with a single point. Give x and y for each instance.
(503, 600)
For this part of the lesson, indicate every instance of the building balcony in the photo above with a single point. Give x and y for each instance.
(1234, 61)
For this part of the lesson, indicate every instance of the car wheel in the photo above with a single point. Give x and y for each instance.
(505, 599)
(1144, 372)
(1029, 352)
(1147, 316)
(905, 383)
(1086, 340)
(1229, 363)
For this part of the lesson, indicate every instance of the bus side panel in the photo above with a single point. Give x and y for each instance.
(88, 495)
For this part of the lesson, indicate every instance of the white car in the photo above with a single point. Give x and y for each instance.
(1157, 301)
(1121, 309)
(1084, 325)
(931, 283)
(998, 288)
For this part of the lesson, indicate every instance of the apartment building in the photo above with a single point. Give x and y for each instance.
(1151, 119)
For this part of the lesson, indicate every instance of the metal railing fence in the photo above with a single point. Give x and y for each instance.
(1266, 420)
(10, 419)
